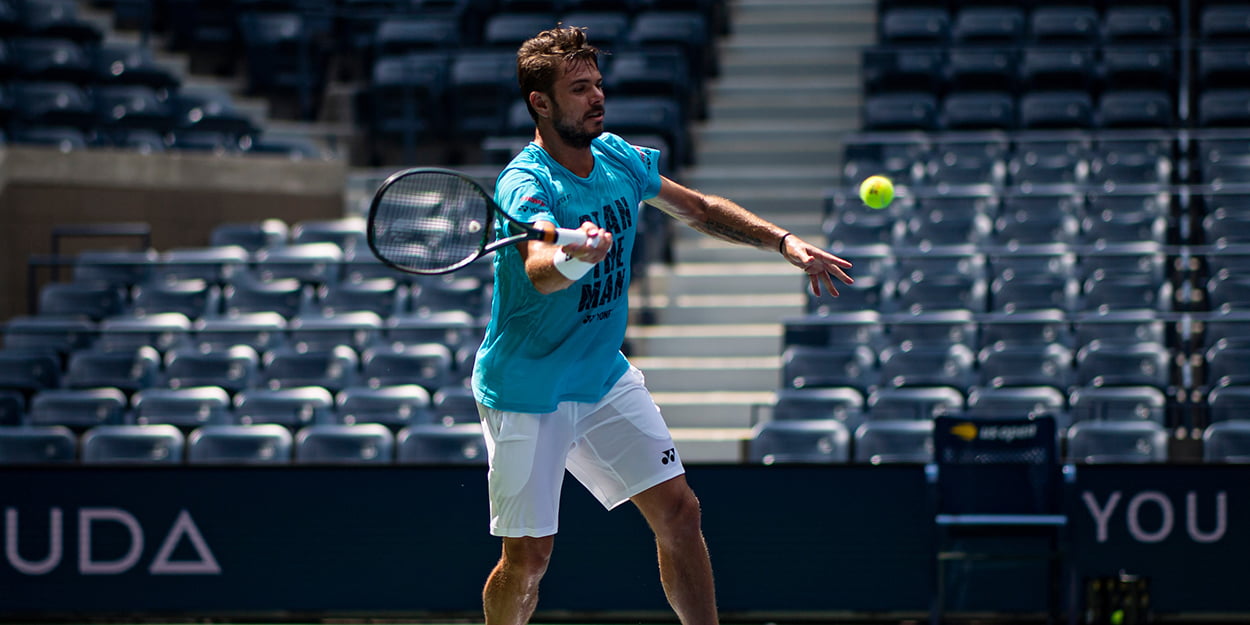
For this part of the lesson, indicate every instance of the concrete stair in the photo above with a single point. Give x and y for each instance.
(789, 90)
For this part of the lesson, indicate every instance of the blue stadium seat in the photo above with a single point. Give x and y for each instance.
(51, 60)
(468, 293)
(924, 365)
(1124, 442)
(286, 297)
(1118, 403)
(453, 328)
(333, 368)
(346, 232)
(1059, 109)
(980, 69)
(1018, 401)
(193, 298)
(1136, 108)
(978, 110)
(889, 441)
(808, 441)
(262, 331)
(29, 370)
(290, 407)
(427, 364)
(406, 95)
(1127, 293)
(439, 444)
(913, 403)
(403, 34)
(122, 109)
(935, 329)
(1064, 25)
(394, 406)
(310, 263)
(914, 27)
(1224, 365)
(1113, 364)
(1224, 107)
(659, 72)
(1227, 294)
(1001, 365)
(688, 31)
(454, 404)
(252, 235)
(861, 327)
(1038, 327)
(232, 368)
(60, 335)
(804, 367)
(1030, 292)
(162, 331)
(899, 110)
(636, 117)
(129, 371)
(51, 105)
(481, 89)
(358, 329)
(363, 443)
(209, 109)
(287, 54)
(1229, 22)
(133, 444)
(1227, 442)
(51, 444)
(1122, 327)
(58, 19)
(92, 300)
(383, 297)
(1134, 66)
(216, 264)
(844, 404)
(606, 26)
(78, 409)
(126, 64)
(240, 445)
(119, 268)
(185, 408)
(998, 25)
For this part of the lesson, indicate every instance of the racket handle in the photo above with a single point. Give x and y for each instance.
(565, 236)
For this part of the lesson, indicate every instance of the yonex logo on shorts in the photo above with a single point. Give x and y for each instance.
(668, 455)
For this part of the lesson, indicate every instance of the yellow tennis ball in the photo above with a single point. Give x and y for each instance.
(876, 191)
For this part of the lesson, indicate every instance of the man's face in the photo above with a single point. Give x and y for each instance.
(577, 104)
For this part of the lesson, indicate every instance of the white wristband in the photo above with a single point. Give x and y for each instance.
(570, 267)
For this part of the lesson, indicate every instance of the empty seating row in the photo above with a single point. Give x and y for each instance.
(254, 445)
(393, 402)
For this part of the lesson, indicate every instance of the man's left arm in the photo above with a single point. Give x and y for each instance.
(724, 219)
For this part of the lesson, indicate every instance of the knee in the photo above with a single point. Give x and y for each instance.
(682, 515)
(528, 556)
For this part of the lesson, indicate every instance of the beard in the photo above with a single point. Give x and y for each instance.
(573, 133)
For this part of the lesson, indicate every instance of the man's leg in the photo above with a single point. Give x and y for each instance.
(511, 592)
(673, 513)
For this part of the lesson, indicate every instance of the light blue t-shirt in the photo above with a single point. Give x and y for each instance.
(541, 350)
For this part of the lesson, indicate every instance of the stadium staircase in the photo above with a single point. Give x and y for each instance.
(789, 89)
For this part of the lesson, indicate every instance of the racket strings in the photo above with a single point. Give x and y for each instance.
(431, 221)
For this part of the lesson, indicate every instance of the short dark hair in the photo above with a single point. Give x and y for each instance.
(540, 59)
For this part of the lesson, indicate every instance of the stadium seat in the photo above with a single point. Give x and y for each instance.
(92, 300)
(51, 104)
(804, 367)
(1227, 294)
(1064, 25)
(1018, 401)
(1114, 364)
(403, 34)
(333, 368)
(122, 109)
(1132, 66)
(454, 404)
(185, 408)
(346, 232)
(209, 109)
(1224, 365)
(52, 444)
(58, 19)
(233, 368)
(914, 26)
(119, 268)
(607, 26)
(286, 297)
(1135, 108)
(363, 443)
(1227, 107)
(310, 263)
(383, 297)
(29, 370)
(216, 264)
(427, 364)
(910, 110)
(481, 90)
(468, 293)
(162, 331)
(844, 404)
(807, 441)
(129, 371)
(60, 335)
(939, 328)
(996, 25)
(1122, 327)
(453, 328)
(251, 236)
(1012, 365)
(127, 64)
(913, 403)
(51, 60)
(982, 69)
(78, 409)
(290, 407)
(262, 331)
(891, 69)
(978, 110)
(133, 444)
(287, 54)
(439, 444)
(358, 330)
(193, 298)
(922, 365)
(1122, 442)
(1228, 22)
(889, 441)
(1118, 403)
(686, 30)
(1134, 258)
(1142, 24)
(1227, 442)
(861, 327)
(1038, 327)
(240, 445)
(1131, 292)
(655, 72)
(405, 97)
(1060, 109)
(1025, 292)
(394, 406)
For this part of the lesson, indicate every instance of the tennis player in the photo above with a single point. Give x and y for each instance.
(555, 392)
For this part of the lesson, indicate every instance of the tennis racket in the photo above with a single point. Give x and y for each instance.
(432, 221)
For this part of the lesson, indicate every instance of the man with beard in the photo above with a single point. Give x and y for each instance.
(553, 389)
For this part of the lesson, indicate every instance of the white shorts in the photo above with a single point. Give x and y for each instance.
(617, 448)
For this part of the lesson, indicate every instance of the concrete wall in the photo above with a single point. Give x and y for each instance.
(182, 196)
